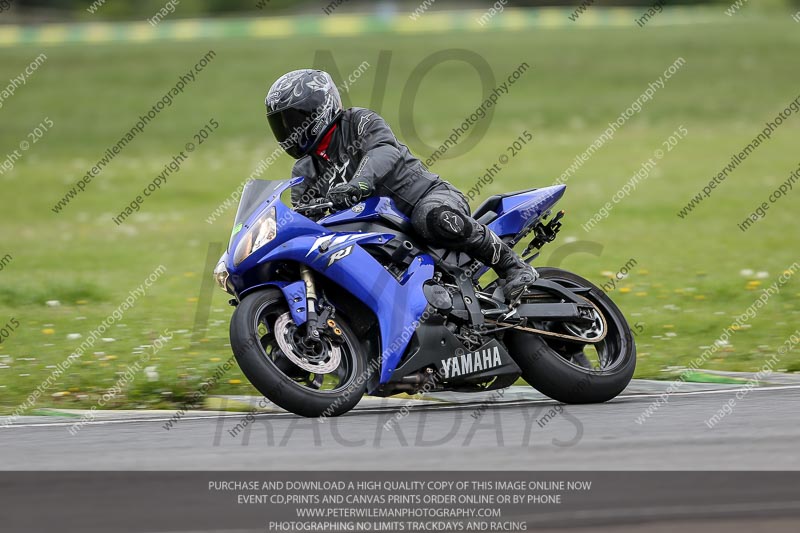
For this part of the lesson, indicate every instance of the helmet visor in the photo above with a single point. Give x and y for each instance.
(290, 127)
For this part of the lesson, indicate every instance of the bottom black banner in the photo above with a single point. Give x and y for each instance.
(335, 502)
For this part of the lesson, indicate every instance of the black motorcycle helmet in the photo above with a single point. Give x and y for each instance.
(301, 107)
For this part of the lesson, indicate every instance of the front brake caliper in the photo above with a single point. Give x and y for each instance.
(336, 332)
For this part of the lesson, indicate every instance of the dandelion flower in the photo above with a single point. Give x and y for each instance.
(151, 373)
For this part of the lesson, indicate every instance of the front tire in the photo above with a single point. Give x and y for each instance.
(561, 369)
(256, 322)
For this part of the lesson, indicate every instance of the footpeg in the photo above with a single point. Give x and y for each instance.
(512, 310)
(512, 306)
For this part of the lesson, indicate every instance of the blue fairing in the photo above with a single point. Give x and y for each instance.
(373, 208)
(398, 305)
(521, 210)
(339, 256)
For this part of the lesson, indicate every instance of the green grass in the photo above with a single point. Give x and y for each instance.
(685, 288)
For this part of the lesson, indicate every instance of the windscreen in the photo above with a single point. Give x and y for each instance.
(254, 194)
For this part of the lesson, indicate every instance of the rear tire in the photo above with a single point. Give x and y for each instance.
(276, 377)
(560, 369)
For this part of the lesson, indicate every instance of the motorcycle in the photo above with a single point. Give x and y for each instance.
(330, 306)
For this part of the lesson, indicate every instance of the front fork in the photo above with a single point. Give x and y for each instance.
(318, 318)
(311, 302)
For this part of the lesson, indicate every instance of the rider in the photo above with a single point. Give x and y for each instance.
(349, 155)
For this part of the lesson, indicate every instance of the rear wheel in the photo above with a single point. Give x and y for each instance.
(571, 371)
(320, 377)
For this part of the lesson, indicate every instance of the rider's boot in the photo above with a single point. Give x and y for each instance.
(516, 274)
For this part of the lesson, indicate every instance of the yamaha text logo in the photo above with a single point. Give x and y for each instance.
(471, 362)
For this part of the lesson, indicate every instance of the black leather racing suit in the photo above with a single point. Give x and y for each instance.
(363, 147)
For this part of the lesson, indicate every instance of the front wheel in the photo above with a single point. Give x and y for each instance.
(571, 371)
(313, 378)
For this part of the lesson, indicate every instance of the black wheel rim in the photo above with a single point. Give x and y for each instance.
(604, 356)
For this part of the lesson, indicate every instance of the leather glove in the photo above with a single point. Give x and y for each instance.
(347, 195)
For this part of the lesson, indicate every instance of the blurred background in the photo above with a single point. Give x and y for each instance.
(77, 9)
(696, 80)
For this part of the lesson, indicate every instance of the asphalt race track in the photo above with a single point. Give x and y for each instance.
(760, 433)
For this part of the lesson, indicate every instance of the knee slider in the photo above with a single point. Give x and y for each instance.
(447, 223)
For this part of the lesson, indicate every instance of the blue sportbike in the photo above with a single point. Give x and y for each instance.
(334, 305)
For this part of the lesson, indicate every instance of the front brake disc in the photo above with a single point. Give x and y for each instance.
(283, 335)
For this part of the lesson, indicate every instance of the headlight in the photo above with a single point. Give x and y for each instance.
(263, 230)
(221, 273)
